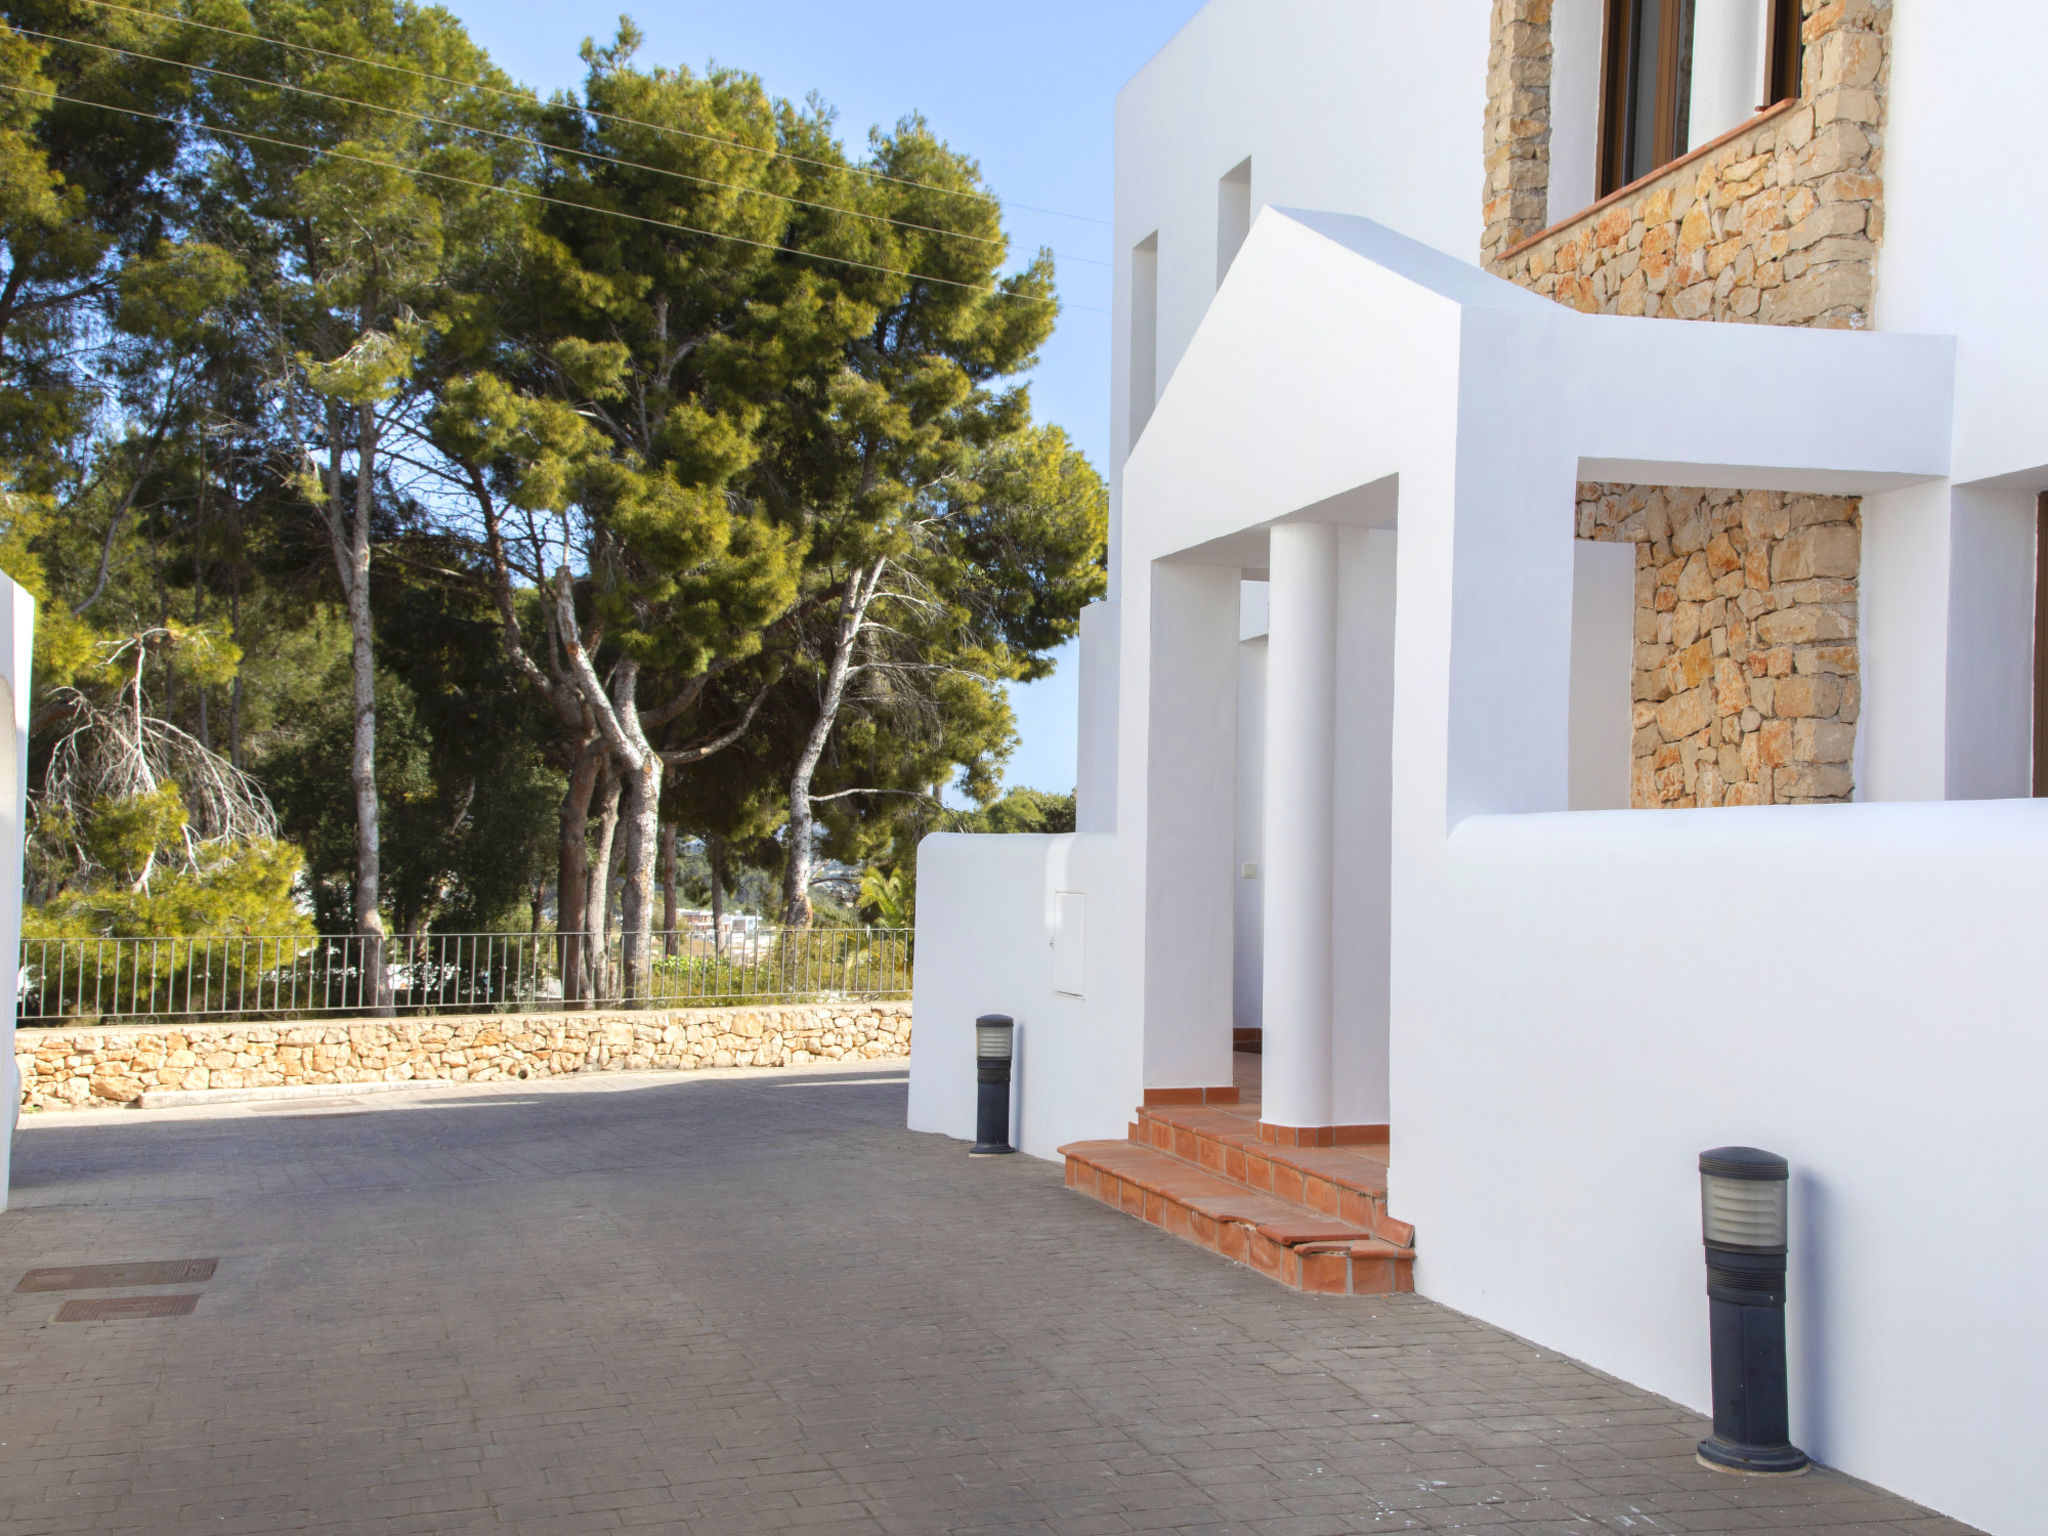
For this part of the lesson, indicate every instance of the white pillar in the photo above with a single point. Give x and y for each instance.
(1186, 806)
(1362, 827)
(1301, 700)
(17, 636)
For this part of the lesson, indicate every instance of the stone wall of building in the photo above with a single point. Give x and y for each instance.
(106, 1065)
(1746, 685)
(1517, 125)
(1777, 222)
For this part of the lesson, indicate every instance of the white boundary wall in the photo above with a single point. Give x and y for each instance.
(987, 912)
(17, 640)
(1856, 987)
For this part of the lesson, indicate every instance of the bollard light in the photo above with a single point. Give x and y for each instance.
(1743, 1221)
(994, 1034)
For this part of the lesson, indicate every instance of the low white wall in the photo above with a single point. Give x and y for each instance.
(17, 639)
(985, 918)
(1857, 987)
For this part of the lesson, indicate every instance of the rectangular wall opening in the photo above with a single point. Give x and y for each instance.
(1745, 679)
(1144, 332)
(1233, 215)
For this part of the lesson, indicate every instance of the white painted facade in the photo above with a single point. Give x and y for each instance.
(1357, 415)
(17, 638)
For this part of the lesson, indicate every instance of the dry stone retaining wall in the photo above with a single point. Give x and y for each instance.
(115, 1064)
(1747, 683)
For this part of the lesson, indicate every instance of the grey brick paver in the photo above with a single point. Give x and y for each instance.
(720, 1307)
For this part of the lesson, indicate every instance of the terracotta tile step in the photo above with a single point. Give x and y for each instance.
(1296, 1246)
(1345, 1183)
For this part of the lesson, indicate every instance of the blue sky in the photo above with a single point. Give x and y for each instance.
(1028, 90)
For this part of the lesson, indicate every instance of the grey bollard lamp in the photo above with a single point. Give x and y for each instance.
(1743, 1220)
(994, 1039)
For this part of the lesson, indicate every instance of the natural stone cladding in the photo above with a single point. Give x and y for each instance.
(1777, 222)
(1746, 683)
(1517, 124)
(85, 1068)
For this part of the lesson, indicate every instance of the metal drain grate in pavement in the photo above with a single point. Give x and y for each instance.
(100, 1277)
(109, 1309)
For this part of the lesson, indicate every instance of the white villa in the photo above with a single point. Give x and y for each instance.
(1569, 683)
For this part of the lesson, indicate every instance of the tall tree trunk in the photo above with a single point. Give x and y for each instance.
(351, 541)
(640, 848)
(235, 630)
(714, 855)
(855, 598)
(597, 901)
(639, 767)
(668, 888)
(199, 584)
(572, 873)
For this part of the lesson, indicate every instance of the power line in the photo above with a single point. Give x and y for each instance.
(533, 99)
(532, 196)
(513, 138)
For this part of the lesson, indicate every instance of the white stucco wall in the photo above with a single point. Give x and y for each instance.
(1095, 759)
(1338, 356)
(1603, 673)
(17, 639)
(985, 920)
(1855, 987)
(1852, 986)
(1962, 194)
(1356, 106)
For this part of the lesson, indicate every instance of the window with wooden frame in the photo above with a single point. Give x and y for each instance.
(1668, 64)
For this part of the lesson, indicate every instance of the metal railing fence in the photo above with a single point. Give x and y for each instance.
(90, 980)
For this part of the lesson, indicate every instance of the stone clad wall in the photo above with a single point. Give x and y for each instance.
(115, 1064)
(1778, 222)
(1517, 125)
(1746, 685)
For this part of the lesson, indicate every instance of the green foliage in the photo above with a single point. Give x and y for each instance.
(710, 433)
(248, 889)
(127, 836)
(1022, 810)
(793, 966)
(465, 809)
(890, 897)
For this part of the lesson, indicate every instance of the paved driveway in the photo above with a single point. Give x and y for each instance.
(742, 1303)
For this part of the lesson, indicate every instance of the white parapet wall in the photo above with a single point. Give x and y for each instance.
(1026, 926)
(1856, 987)
(17, 640)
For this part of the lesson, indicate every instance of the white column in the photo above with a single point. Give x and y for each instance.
(1362, 825)
(17, 636)
(1185, 806)
(1301, 699)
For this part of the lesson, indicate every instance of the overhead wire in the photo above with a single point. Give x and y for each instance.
(542, 197)
(532, 99)
(535, 142)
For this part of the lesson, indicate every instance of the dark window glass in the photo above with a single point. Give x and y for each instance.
(1647, 99)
